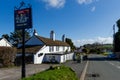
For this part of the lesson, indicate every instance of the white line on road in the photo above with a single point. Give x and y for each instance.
(114, 65)
(111, 63)
(82, 77)
(118, 67)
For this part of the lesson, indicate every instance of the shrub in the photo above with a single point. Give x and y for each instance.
(7, 56)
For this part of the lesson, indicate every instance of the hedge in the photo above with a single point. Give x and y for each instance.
(7, 56)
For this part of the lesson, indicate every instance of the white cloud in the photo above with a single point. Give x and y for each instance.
(86, 1)
(102, 40)
(54, 3)
(93, 8)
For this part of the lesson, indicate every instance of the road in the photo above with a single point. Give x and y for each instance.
(100, 68)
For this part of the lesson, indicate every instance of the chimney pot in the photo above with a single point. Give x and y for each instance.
(52, 35)
(35, 33)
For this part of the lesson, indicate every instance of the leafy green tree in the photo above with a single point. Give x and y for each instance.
(69, 41)
(117, 42)
(85, 50)
(16, 36)
(118, 25)
(117, 38)
(6, 36)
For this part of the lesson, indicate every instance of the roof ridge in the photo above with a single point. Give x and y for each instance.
(51, 42)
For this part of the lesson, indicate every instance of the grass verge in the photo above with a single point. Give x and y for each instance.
(56, 73)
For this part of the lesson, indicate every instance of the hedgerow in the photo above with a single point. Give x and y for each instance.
(7, 56)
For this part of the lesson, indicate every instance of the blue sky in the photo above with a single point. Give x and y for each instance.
(84, 21)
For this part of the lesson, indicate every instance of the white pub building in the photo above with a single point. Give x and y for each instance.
(47, 49)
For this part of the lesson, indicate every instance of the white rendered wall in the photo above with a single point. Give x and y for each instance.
(44, 50)
(4, 43)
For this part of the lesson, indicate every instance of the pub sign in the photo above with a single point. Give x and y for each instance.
(23, 18)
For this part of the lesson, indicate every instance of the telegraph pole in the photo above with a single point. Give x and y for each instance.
(114, 38)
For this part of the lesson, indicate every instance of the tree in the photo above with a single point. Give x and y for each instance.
(6, 36)
(85, 50)
(117, 38)
(118, 25)
(16, 36)
(69, 41)
(117, 42)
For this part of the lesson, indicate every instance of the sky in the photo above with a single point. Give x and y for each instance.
(83, 21)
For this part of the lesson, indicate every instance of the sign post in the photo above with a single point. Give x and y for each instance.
(22, 21)
(23, 55)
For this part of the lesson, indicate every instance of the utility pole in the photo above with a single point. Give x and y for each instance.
(114, 38)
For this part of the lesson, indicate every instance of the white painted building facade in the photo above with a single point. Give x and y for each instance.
(48, 49)
(5, 43)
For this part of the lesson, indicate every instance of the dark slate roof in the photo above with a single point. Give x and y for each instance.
(51, 42)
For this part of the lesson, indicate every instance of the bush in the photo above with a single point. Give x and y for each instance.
(7, 56)
(58, 73)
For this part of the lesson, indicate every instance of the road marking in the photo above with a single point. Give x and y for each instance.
(111, 63)
(114, 65)
(118, 67)
(82, 77)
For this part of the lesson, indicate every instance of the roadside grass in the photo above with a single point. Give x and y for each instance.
(55, 73)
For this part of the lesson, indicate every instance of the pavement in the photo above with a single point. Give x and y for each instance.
(15, 72)
(77, 67)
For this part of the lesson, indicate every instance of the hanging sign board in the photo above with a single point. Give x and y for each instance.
(23, 18)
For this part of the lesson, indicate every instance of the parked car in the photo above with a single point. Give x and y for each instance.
(112, 56)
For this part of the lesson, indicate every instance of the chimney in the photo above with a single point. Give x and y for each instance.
(52, 35)
(35, 33)
(63, 38)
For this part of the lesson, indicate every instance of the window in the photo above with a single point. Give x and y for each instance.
(57, 48)
(51, 48)
(40, 54)
(63, 48)
(68, 48)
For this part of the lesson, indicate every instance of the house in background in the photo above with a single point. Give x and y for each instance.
(43, 49)
(5, 43)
